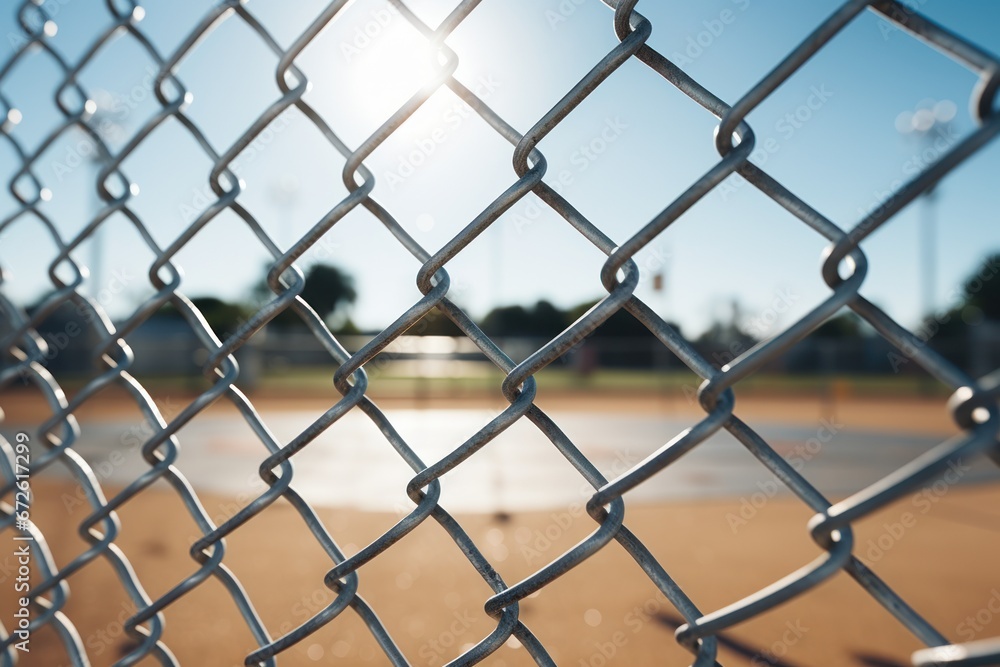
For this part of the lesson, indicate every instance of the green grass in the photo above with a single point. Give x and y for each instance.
(388, 383)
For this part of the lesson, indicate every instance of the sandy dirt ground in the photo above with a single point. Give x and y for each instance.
(899, 414)
(604, 612)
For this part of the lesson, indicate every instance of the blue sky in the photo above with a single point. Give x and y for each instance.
(621, 157)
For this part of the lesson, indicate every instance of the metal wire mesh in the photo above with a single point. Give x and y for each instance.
(973, 402)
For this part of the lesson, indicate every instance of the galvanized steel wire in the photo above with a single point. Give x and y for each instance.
(973, 403)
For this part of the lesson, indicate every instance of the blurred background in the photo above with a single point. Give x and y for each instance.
(842, 134)
(870, 111)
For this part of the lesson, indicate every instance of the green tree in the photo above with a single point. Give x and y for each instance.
(543, 320)
(840, 327)
(222, 316)
(620, 325)
(979, 300)
(329, 290)
(981, 289)
(435, 323)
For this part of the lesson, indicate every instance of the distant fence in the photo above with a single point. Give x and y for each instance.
(973, 403)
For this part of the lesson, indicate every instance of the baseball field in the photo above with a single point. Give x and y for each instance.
(719, 525)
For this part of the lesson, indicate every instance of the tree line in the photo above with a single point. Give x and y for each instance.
(844, 343)
(331, 292)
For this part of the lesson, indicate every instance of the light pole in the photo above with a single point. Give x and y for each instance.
(102, 121)
(929, 124)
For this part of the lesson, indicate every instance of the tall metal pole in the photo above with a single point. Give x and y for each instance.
(928, 124)
(101, 120)
(928, 241)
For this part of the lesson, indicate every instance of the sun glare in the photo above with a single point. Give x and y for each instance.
(394, 61)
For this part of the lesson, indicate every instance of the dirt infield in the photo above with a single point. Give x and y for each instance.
(604, 612)
(902, 414)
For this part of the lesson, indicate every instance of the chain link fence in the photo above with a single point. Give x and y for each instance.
(973, 402)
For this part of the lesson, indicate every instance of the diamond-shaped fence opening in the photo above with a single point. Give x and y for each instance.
(263, 484)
